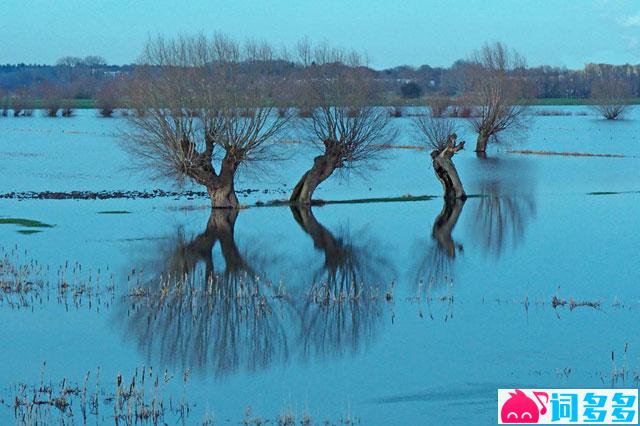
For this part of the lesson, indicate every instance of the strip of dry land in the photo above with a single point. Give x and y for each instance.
(564, 154)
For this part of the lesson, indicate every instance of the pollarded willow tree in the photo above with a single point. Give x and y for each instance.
(612, 97)
(497, 87)
(201, 113)
(337, 89)
(438, 134)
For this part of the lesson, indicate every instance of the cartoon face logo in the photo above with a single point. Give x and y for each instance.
(519, 408)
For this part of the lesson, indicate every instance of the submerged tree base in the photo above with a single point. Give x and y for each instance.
(446, 171)
(481, 143)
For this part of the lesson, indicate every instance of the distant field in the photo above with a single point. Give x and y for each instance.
(392, 101)
(74, 103)
(570, 101)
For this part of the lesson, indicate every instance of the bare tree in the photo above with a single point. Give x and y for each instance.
(108, 99)
(94, 61)
(438, 105)
(338, 91)
(22, 107)
(439, 135)
(497, 87)
(612, 97)
(69, 61)
(199, 112)
(51, 99)
(4, 103)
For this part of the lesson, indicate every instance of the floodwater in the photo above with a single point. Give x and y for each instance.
(408, 312)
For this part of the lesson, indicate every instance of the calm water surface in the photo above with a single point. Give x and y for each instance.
(441, 305)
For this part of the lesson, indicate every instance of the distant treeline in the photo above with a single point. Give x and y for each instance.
(91, 78)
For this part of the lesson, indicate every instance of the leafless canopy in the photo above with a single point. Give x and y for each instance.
(196, 107)
(612, 97)
(439, 135)
(497, 88)
(338, 89)
(438, 105)
(434, 132)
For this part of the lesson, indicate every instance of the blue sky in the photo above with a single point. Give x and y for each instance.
(556, 32)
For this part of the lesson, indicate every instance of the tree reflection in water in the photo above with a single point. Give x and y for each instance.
(505, 206)
(208, 320)
(223, 318)
(344, 305)
(437, 265)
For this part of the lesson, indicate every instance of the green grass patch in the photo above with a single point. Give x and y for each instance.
(612, 192)
(72, 103)
(27, 223)
(379, 200)
(403, 198)
(115, 212)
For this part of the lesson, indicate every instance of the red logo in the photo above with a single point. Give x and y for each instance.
(519, 408)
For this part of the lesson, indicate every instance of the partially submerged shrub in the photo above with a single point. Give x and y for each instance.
(4, 105)
(51, 107)
(462, 111)
(51, 99)
(67, 110)
(612, 97)
(107, 100)
(21, 107)
(438, 106)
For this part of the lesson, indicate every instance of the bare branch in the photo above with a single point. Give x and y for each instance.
(197, 107)
(497, 88)
(613, 97)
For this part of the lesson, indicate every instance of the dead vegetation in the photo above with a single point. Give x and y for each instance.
(551, 113)
(564, 154)
(573, 304)
(25, 283)
(139, 400)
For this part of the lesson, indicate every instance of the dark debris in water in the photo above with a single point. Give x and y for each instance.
(118, 194)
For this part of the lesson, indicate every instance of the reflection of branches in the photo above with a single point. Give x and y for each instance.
(506, 203)
(501, 217)
(437, 264)
(343, 305)
(209, 320)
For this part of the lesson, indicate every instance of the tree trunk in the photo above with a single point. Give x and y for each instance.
(222, 194)
(221, 187)
(323, 166)
(341, 270)
(446, 172)
(220, 229)
(481, 143)
(323, 239)
(481, 155)
(444, 224)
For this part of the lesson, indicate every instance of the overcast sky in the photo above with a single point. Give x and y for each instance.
(414, 32)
